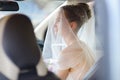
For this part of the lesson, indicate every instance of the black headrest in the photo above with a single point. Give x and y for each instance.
(19, 42)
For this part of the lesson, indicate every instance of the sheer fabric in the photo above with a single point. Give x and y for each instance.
(69, 50)
(87, 32)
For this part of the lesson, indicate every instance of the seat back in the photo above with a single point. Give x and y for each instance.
(20, 56)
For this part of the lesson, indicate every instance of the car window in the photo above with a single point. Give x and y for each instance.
(35, 13)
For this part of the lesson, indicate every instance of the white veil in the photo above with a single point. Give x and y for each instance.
(86, 34)
(87, 31)
(60, 36)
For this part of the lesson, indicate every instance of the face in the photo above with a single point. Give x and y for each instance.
(57, 23)
(63, 27)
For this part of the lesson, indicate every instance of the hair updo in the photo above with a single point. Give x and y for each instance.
(79, 13)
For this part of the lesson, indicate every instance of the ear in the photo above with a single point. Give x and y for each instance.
(73, 25)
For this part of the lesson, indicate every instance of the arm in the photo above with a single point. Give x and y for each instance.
(62, 74)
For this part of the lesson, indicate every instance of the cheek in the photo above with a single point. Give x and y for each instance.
(64, 31)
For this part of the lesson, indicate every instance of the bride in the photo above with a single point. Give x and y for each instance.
(68, 40)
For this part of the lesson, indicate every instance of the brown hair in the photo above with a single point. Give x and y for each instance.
(79, 13)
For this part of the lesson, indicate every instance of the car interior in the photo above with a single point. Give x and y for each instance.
(21, 47)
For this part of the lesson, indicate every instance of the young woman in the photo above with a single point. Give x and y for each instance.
(73, 57)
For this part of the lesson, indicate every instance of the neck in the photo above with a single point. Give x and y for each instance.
(70, 39)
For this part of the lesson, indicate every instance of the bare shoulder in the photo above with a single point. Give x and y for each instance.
(74, 48)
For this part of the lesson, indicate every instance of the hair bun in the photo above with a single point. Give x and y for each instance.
(85, 7)
(79, 13)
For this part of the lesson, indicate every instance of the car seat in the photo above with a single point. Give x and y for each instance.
(20, 56)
